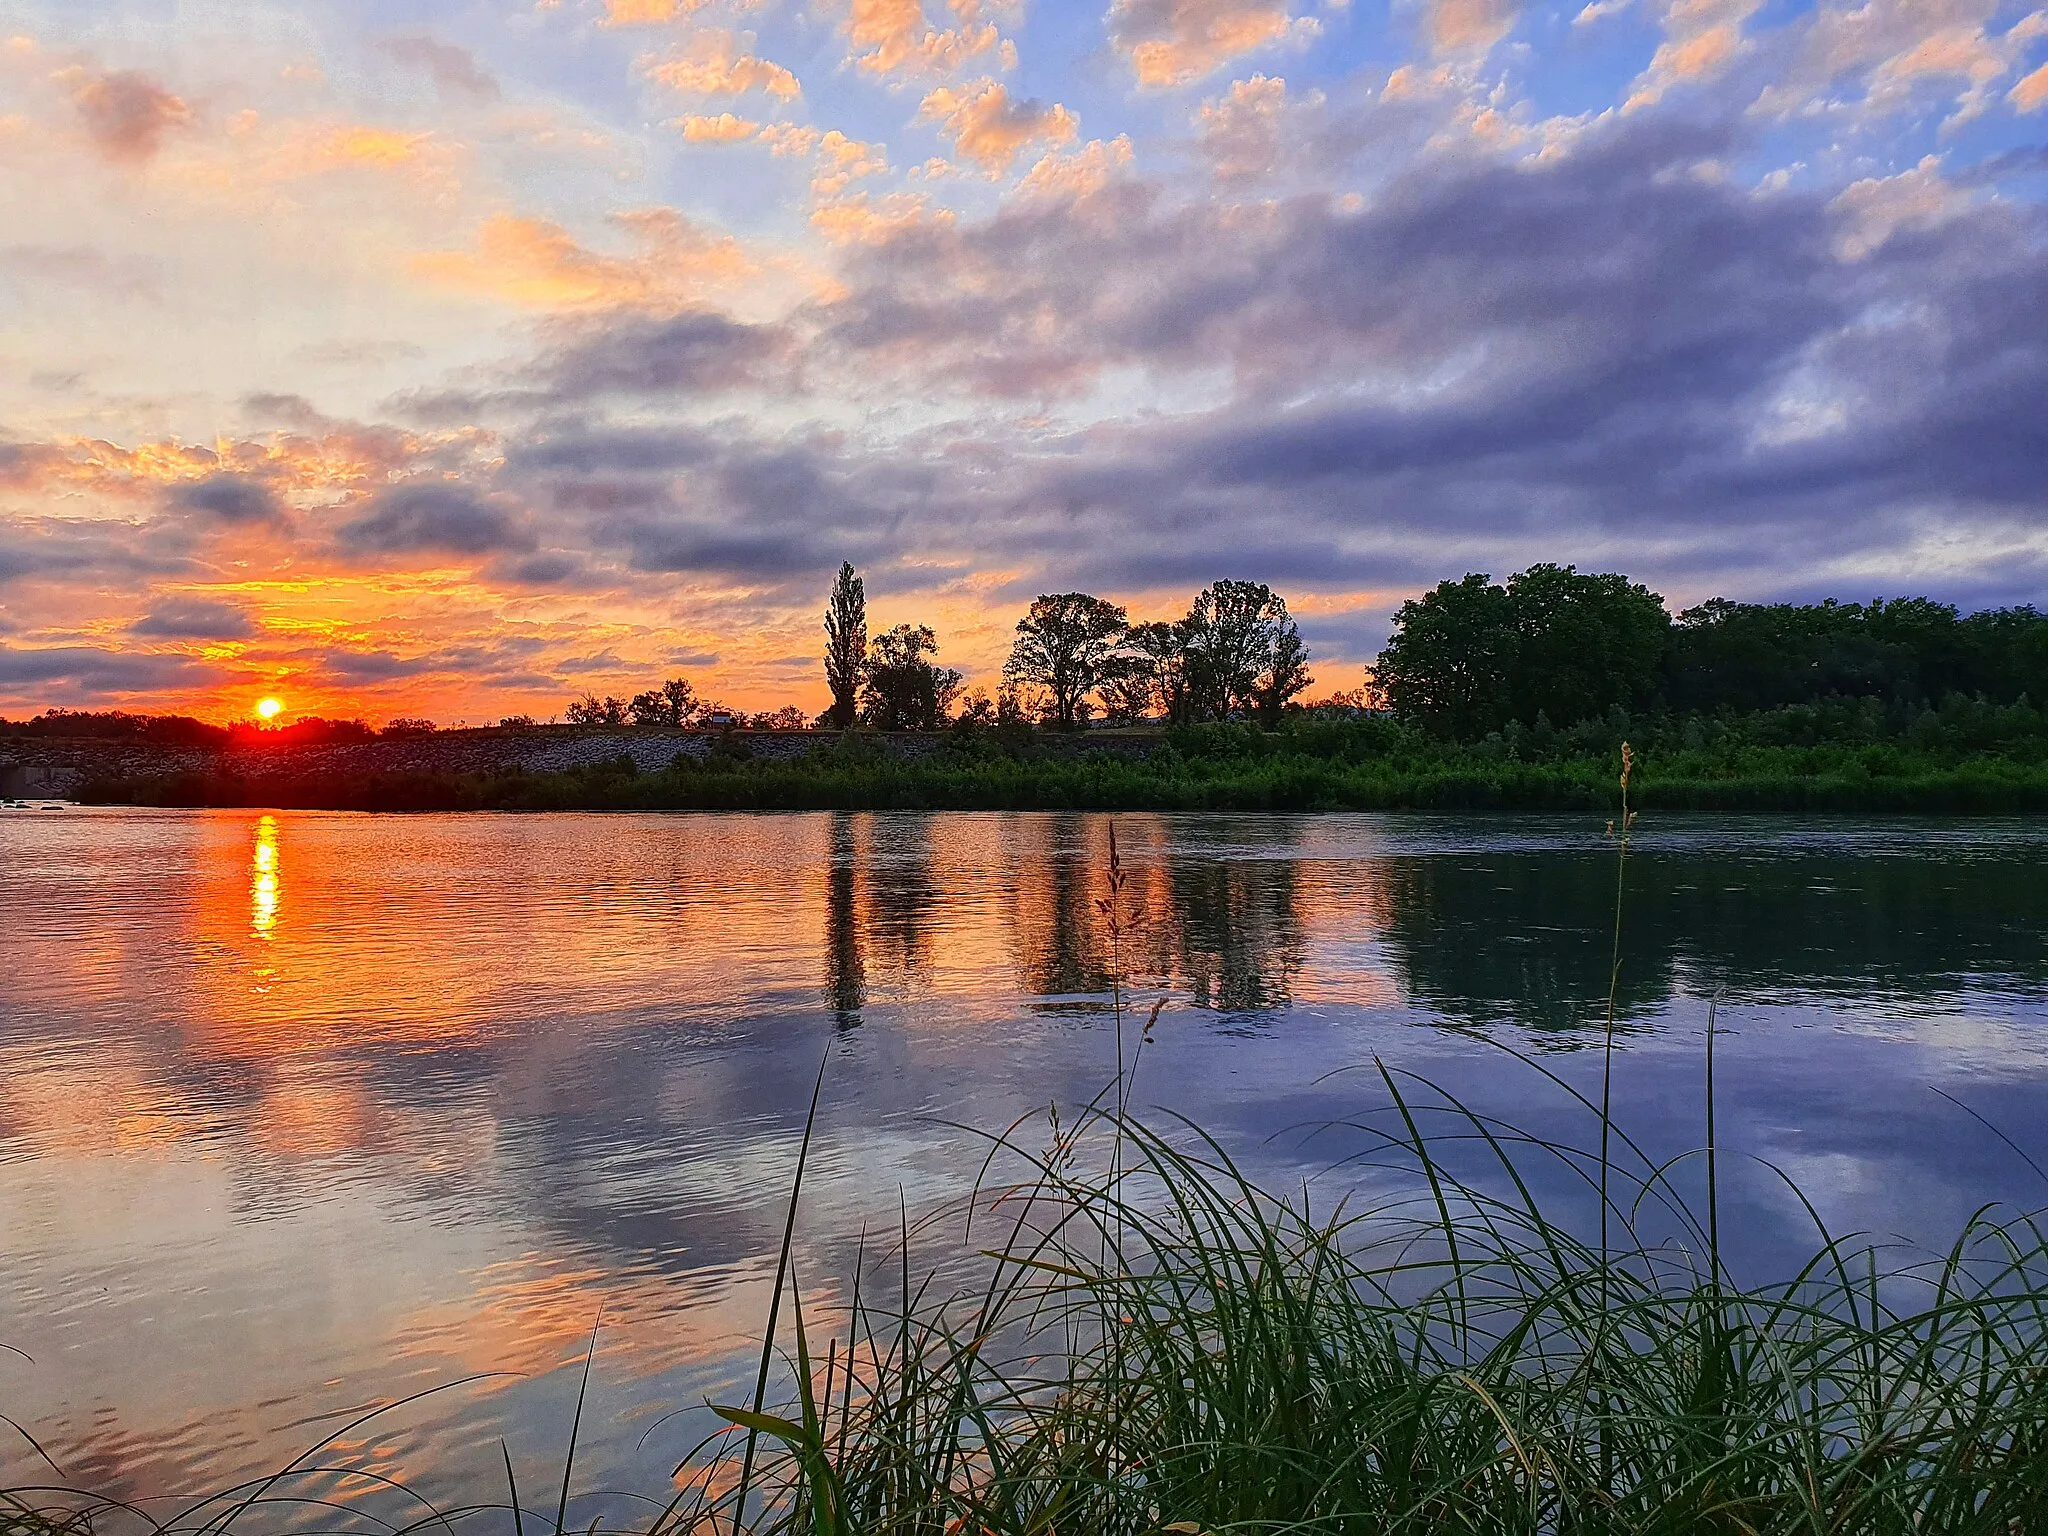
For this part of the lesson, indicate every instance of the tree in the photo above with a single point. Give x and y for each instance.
(1286, 671)
(1449, 665)
(1585, 643)
(1154, 670)
(1129, 689)
(671, 704)
(1065, 645)
(1228, 641)
(902, 689)
(1554, 643)
(846, 645)
(591, 710)
(787, 718)
(977, 711)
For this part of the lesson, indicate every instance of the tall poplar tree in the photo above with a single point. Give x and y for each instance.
(846, 645)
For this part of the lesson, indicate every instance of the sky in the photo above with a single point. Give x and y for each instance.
(453, 358)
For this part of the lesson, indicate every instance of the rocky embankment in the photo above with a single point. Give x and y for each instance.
(44, 768)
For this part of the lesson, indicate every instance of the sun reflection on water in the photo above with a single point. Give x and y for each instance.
(263, 886)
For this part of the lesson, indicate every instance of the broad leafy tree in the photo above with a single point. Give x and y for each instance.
(1584, 643)
(902, 689)
(1286, 673)
(591, 710)
(1154, 672)
(673, 703)
(846, 646)
(1450, 663)
(1066, 646)
(1469, 656)
(1228, 643)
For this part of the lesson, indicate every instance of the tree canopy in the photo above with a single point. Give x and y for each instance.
(1066, 645)
(902, 689)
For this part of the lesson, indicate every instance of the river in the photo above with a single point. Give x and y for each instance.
(300, 1112)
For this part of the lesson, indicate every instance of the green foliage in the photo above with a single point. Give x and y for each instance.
(1470, 657)
(1843, 755)
(846, 646)
(1553, 645)
(1165, 1346)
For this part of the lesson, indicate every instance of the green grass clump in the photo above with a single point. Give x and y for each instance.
(1176, 1349)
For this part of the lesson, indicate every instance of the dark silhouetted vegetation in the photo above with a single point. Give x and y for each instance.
(1556, 647)
(1842, 754)
(183, 732)
(846, 646)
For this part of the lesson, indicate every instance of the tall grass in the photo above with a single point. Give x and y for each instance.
(1122, 1333)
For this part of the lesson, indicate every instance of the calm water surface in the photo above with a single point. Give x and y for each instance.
(303, 1111)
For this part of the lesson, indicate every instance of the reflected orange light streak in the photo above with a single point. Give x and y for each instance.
(263, 882)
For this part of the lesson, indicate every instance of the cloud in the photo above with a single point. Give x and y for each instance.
(1080, 172)
(1241, 129)
(990, 129)
(2031, 94)
(231, 498)
(536, 263)
(1701, 39)
(87, 268)
(1902, 55)
(430, 517)
(892, 37)
(696, 352)
(94, 669)
(127, 113)
(454, 70)
(1170, 42)
(1468, 26)
(722, 129)
(646, 13)
(193, 618)
(714, 67)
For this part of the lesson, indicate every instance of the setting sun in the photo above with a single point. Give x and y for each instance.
(269, 709)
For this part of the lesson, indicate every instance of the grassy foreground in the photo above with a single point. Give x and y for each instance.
(1967, 758)
(1126, 1336)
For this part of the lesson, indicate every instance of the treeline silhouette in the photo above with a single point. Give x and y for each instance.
(186, 733)
(1552, 647)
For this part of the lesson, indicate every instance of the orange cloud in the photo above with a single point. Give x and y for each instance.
(536, 263)
(990, 129)
(1896, 46)
(645, 13)
(1468, 26)
(892, 36)
(1701, 37)
(2031, 94)
(1871, 209)
(722, 129)
(1084, 171)
(719, 71)
(1241, 130)
(861, 220)
(1170, 42)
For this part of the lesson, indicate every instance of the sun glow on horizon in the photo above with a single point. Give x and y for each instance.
(269, 709)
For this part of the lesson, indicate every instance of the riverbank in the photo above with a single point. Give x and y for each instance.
(1345, 766)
